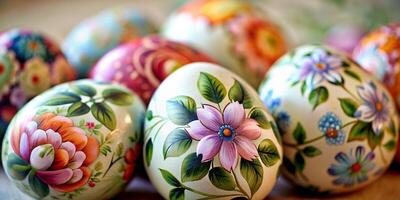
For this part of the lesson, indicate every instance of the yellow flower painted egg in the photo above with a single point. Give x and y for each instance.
(94, 37)
(78, 140)
(232, 31)
(209, 136)
(339, 124)
(30, 63)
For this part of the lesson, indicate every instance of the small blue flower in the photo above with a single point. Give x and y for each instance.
(271, 102)
(283, 121)
(351, 169)
(29, 45)
(331, 126)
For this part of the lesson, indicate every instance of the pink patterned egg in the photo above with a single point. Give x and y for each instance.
(30, 63)
(143, 63)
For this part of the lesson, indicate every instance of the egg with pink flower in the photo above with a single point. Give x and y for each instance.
(208, 135)
(234, 32)
(78, 140)
(338, 123)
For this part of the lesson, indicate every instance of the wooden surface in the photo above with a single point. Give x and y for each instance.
(56, 18)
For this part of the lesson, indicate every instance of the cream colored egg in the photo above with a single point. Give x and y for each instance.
(208, 135)
(339, 124)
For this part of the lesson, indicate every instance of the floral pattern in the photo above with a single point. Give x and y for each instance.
(141, 65)
(55, 155)
(331, 126)
(274, 105)
(226, 134)
(216, 11)
(375, 107)
(226, 139)
(30, 64)
(259, 42)
(352, 169)
(365, 113)
(94, 37)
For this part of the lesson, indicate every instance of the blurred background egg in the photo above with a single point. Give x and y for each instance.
(30, 63)
(208, 135)
(80, 140)
(233, 32)
(92, 38)
(142, 64)
(344, 37)
(339, 124)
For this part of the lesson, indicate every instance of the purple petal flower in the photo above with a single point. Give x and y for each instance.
(226, 133)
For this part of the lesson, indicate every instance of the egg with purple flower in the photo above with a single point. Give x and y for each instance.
(339, 124)
(208, 135)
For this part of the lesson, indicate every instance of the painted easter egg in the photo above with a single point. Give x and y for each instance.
(142, 64)
(92, 38)
(232, 31)
(30, 63)
(208, 135)
(379, 53)
(339, 124)
(78, 140)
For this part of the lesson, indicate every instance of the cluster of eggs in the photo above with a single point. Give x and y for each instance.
(206, 133)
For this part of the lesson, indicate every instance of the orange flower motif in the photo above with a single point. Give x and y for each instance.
(259, 42)
(217, 11)
(59, 152)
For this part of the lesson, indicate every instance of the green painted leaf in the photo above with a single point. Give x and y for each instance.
(268, 152)
(359, 131)
(303, 88)
(392, 127)
(83, 89)
(149, 152)
(177, 143)
(104, 114)
(118, 97)
(299, 161)
(352, 74)
(299, 134)
(238, 93)
(289, 166)
(77, 109)
(38, 186)
(349, 106)
(374, 139)
(149, 115)
(261, 119)
(390, 145)
(62, 98)
(253, 173)
(311, 151)
(177, 194)
(169, 178)
(16, 167)
(211, 88)
(193, 169)
(181, 110)
(318, 96)
(222, 179)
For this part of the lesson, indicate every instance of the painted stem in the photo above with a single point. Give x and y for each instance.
(382, 156)
(350, 93)
(111, 164)
(306, 142)
(348, 123)
(152, 126)
(238, 185)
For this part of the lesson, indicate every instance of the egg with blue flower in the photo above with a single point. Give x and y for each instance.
(338, 123)
(95, 36)
(30, 63)
(209, 136)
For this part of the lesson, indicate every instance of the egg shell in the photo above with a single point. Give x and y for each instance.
(339, 124)
(30, 63)
(208, 135)
(379, 53)
(95, 36)
(233, 32)
(80, 139)
(142, 64)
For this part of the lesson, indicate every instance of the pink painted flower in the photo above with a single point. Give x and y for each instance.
(90, 125)
(226, 134)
